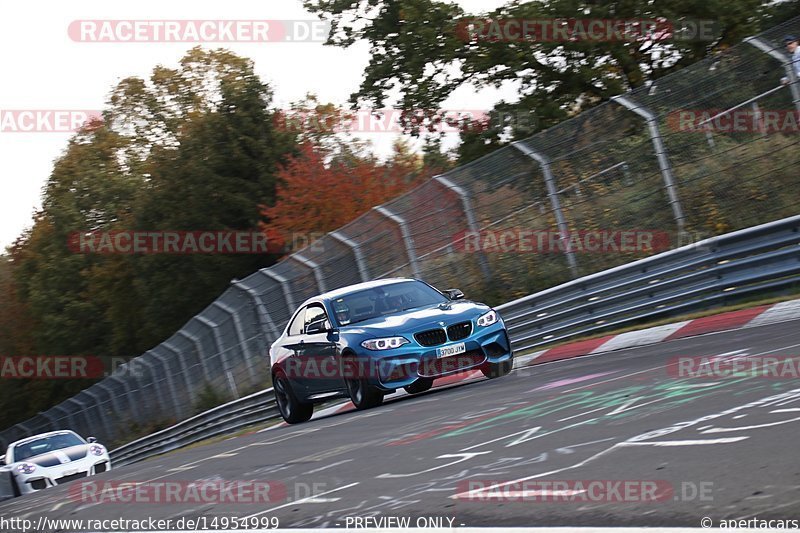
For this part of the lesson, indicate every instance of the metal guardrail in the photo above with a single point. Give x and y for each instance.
(691, 278)
(226, 418)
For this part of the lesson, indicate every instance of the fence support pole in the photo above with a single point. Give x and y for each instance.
(226, 363)
(170, 376)
(409, 242)
(314, 268)
(247, 354)
(472, 224)
(287, 294)
(552, 193)
(787, 66)
(187, 379)
(363, 271)
(264, 320)
(101, 411)
(154, 381)
(661, 155)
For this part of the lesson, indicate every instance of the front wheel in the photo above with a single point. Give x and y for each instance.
(362, 394)
(291, 409)
(496, 370)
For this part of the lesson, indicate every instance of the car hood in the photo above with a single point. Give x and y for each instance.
(57, 457)
(420, 318)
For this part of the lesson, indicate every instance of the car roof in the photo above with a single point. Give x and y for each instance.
(41, 436)
(336, 293)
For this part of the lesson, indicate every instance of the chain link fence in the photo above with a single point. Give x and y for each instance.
(627, 164)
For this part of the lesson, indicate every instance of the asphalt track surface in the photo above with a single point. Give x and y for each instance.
(726, 448)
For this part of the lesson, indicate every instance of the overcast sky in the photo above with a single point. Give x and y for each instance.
(46, 70)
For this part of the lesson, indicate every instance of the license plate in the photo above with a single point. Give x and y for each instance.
(447, 351)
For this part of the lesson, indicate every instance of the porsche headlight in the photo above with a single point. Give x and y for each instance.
(26, 468)
(385, 343)
(487, 319)
(97, 449)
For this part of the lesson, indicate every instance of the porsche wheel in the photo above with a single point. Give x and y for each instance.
(291, 409)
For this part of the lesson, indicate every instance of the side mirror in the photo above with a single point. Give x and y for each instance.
(320, 326)
(454, 294)
(91, 440)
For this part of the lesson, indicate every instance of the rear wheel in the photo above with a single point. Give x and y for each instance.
(291, 409)
(496, 370)
(419, 386)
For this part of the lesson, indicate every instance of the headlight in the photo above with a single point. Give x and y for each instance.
(26, 468)
(97, 449)
(487, 319)
(386, 343)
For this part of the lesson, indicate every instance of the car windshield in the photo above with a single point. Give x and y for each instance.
(384, 300)
(45, 445)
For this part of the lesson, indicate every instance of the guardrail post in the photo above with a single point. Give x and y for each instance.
(363, 271)
(264, 320)
(187, 378)
(237, 326)
(407, 239)
(552, 193)
(661, 154)
(170, 377)
(314, 268)
(787, 66)
(226, 363)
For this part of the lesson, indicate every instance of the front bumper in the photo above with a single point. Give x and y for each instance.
(403, 366)
(45, 477)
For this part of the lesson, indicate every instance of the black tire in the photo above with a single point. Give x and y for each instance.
(497, 370)
(362, 394)
(419, 386)
(291, 409)
(14, 487)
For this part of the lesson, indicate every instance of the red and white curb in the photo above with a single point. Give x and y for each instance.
(745, 318)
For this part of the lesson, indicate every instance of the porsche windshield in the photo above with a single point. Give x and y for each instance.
(45, 445)
(384, 300)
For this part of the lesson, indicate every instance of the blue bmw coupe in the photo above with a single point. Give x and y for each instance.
(368, 340)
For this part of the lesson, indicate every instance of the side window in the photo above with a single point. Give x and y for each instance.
(314, 313)
(297, 325)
